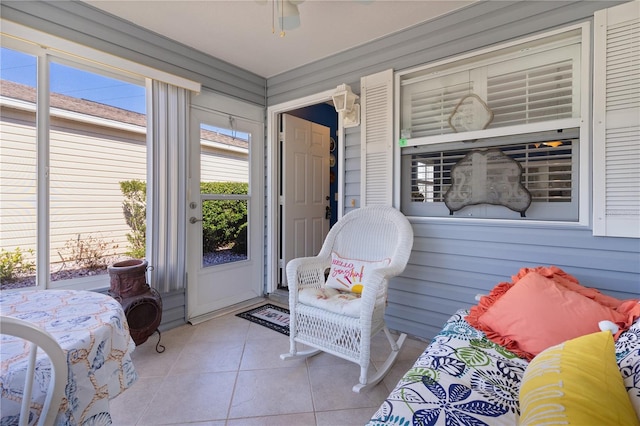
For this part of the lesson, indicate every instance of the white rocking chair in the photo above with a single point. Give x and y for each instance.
(341, 323)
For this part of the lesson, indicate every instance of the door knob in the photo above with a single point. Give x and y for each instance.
(194, 220)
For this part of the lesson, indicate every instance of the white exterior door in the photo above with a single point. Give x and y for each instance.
(225, 213)
(305, 177)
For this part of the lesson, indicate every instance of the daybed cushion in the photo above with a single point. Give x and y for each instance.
(544, 307)
(461, 378)
(349, 274)
(464, 378)
(577, 383)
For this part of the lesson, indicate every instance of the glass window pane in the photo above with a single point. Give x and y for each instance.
(97, 155)
(224, 171)
(17, 169)
(548, 173)
(224, 231)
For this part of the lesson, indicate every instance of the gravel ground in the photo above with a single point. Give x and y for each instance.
(209, 259)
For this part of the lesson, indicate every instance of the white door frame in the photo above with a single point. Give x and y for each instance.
(273, 168)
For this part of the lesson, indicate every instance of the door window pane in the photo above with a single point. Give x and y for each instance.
(224, 187)
(17, 169)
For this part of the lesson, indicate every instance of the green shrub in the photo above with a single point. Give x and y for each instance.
(134, 208)
(222, 220)
(240, 243)
(12, 264)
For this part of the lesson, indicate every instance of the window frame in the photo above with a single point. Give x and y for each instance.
(449, 140)
(45, 48)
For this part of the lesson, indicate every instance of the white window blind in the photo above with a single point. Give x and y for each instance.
(616, 146)
(540, 82)
(376, 93)
(530, 95)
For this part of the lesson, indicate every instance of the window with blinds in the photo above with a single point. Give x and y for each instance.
(549, 172)
(530, 95)
(538, 82)
(527, 102)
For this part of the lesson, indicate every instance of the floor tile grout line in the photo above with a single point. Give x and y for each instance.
(235, 382)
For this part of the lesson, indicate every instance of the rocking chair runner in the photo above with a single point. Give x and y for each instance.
(340, 323)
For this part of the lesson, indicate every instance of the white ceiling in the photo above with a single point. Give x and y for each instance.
(239, 31)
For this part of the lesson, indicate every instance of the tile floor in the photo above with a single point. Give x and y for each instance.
(227, 371)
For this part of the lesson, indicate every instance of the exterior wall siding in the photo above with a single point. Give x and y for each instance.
(452, 261)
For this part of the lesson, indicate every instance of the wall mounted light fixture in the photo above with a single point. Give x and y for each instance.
(344, 101)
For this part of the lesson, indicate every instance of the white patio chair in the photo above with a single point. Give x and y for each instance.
(377, 241)
(39, 338)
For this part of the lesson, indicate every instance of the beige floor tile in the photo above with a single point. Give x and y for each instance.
(128, 407)
(189, 398)
(352, 417)
(227, 372)
(301, 419)
(149, 363)
(265, 353)
(270, 392)
(332, 388)
(209, 356)
(228, 327)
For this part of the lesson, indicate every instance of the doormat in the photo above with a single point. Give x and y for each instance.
(271, 316)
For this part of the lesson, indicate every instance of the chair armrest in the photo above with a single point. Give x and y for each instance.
(306, 272)
(373, 288)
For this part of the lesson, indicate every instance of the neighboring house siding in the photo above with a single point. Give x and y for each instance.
(218, 166)
(93, 158)
(17, 180)
(88, 163)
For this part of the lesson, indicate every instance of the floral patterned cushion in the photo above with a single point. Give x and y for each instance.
(464, 378)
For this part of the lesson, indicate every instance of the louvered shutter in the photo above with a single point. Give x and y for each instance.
(616, 141)
(376, 186)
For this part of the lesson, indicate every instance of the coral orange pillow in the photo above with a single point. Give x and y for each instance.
(542, 310)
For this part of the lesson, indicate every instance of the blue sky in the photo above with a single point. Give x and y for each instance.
(21, 68)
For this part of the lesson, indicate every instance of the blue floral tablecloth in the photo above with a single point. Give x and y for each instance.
(92, 330)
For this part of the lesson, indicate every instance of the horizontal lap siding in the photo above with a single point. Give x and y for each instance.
(219, 167)
(17, 181)
(87, 162)
(87, 166)
(452, 262)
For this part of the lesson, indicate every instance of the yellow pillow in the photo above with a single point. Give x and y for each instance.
(576, 383)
